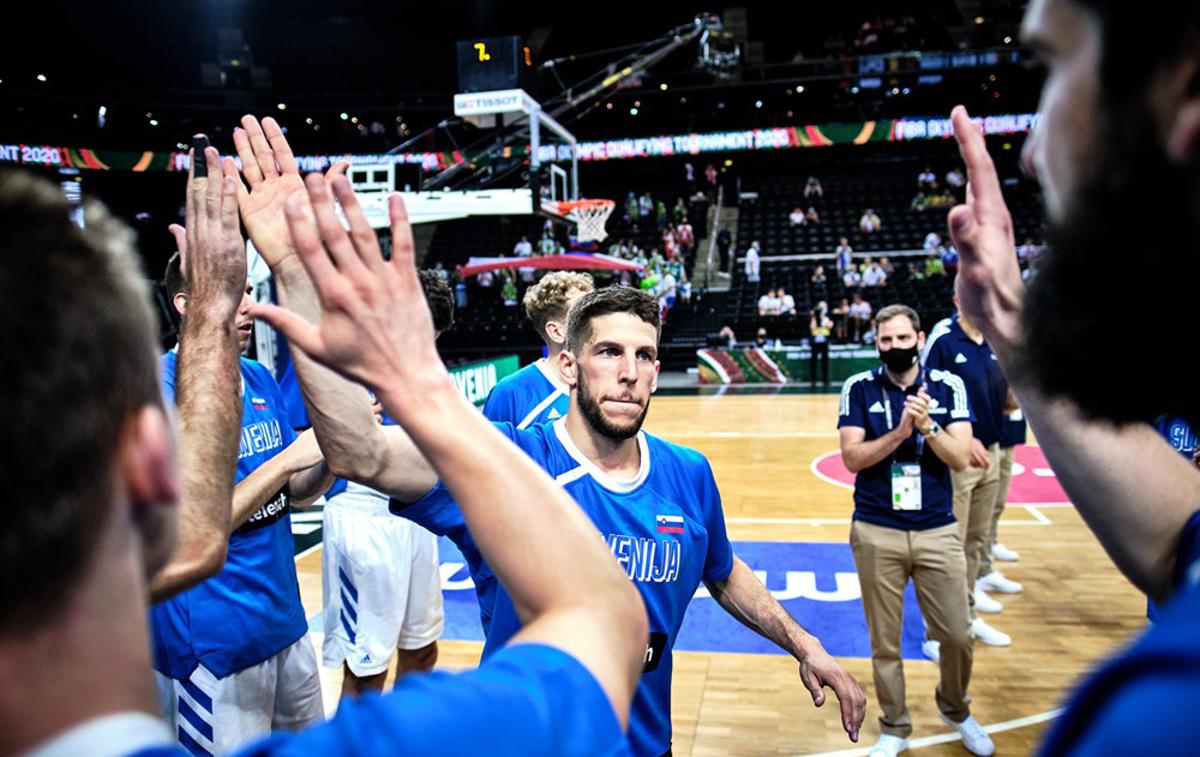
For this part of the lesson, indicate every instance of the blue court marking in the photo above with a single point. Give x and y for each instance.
(816, 582)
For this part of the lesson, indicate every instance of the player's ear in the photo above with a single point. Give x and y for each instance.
(555, 331)
(568, 368)
(654, 381)
(180, 303)
(920, 341)
(146, 458)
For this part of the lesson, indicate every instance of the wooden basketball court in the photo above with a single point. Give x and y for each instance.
(1075, 610)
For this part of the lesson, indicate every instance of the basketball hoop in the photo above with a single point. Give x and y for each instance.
(589, 216)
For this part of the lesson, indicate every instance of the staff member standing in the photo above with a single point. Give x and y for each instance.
(902, 431)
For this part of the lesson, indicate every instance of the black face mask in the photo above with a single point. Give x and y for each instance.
(899, 359)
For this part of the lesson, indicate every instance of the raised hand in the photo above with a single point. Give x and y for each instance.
(213, 255)
(375, 327)
(819, 670)
(989, 285)
(270, 170)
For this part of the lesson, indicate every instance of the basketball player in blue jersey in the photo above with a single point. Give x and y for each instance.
(656, 504)
(98, 451)
(536, 393)
(239, 641)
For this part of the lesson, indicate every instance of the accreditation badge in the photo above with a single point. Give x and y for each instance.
(906, 486)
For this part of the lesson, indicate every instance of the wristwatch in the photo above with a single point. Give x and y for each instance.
(933, 430)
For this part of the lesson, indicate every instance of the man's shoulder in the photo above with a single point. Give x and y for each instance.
(677, 454)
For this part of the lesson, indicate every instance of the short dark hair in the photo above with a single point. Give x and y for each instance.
(889, 312)
(600, 302)
(172, 281)
(76, 309)
(440, 300)
(1137, 41)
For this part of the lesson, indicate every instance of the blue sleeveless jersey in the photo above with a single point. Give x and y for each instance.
(527, 398)
(665, 527)
(251, 610)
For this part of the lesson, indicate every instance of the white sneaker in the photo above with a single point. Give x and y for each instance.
(932, 649)
(997, 581)
(975, 739)
(1001, 552)
(984, 603)
(889, 746)
(988, 635)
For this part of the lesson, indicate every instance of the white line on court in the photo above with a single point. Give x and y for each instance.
(309, 551)
(1036, 513)
(946, 738)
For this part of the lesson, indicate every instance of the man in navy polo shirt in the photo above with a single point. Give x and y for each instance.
(955, 345)
(903, 430)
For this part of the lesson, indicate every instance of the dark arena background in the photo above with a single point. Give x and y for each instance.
(806, 148)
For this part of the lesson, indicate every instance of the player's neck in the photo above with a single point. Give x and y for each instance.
(620, 458)
(93, 660)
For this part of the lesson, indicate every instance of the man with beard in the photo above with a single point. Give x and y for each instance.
(904, 522)
(655, 503)
(1120, 112)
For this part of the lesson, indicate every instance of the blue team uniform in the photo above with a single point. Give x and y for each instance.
(665, 527)
(1141, 702)
(251, 610)
(528, 699)
(871, 401)
(527, 397)
(950, 349)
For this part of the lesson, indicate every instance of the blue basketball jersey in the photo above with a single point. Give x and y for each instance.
(251, 610)
(528, 699)
(665, 527)
(528, 397)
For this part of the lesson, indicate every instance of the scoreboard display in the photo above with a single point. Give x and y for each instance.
(494, 63)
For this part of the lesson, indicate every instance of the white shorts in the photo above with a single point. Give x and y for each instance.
(382, 587)
(211, 715)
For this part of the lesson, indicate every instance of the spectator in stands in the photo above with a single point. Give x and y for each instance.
(932, 241)
(441, 271)
(869, 222)
(818, 277)
(730, 337)
(710, 177)
(886, 265)
(689, 177)
(509, 290)
(787, 303)
(523, 248)
(768, 304)
(632, 214)
(813, 188)
(926, 179)
(753, 264)
(687, 238)
(685, 289)
(873, 275)
(668, 241)
(812, 216)
(763, 342)
(950, 259)
(486, 279)
(820, 326)
(843, 256)
(921, 202)
(916, 271)
(797, 217)
(724, 243)
(841, 319)
(860, 317)
(680, 211)
(955, 179)
(660, 214)
(547, 245)
(645, 207)
(851, 279)
(934, 265)
(1027, 252)
(667, 292)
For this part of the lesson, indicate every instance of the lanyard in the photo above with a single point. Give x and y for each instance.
(887, 410)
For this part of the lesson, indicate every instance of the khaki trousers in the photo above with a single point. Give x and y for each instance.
(1006, 464)
(886, 558)
(975, 492)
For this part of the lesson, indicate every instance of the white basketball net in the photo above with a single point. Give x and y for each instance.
(590, 217)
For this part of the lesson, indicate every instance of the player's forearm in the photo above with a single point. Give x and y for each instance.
(306, 485)
(744, 597)
(206, 392)
(864, 454)
(1135, 492)
(352, 442)
(261, 486)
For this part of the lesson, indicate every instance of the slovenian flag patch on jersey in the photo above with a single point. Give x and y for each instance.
(258, 403)
(669, 524)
